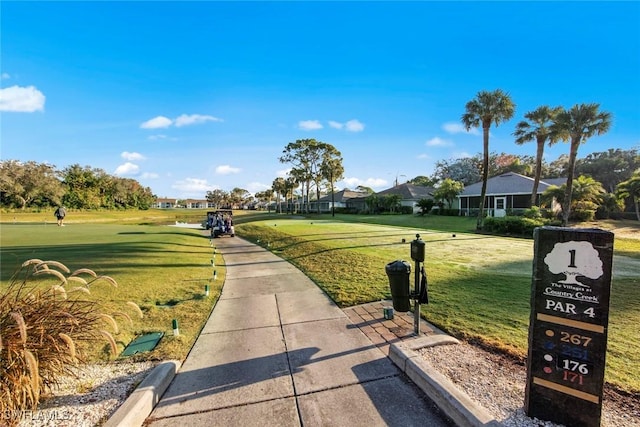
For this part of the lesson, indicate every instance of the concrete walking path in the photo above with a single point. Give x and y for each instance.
(277, 351)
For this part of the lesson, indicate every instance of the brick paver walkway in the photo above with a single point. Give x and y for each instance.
(382, 332)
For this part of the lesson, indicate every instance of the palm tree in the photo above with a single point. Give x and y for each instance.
(577, 125)
(332, 170)
(486, 108)
(537, 127)
(631, 188)
(290, 185)
(586, 196)
(279, 187)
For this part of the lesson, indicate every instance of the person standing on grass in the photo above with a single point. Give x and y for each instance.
(60, 213)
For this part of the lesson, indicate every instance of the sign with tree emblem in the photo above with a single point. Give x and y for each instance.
(568, 325)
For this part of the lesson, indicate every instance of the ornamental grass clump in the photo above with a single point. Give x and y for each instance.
(47, 317)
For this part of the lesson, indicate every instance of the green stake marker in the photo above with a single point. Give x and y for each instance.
(206, 290)
(176, 331)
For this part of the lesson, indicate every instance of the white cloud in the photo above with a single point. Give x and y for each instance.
(438, 142)
(460, 155)
(227, 170)
(193, 119)
(158, 122)
(149, 175)
(353, 183)
(161, 122)
(156, 137)
(354, 126)
(423, 156)
(194, 186)
(350, 126)
(283, 173)
(453, 127)
(254, 187)
(127, 168)
(21, 99)
(131, 156)
(309, 125)
(5, 76)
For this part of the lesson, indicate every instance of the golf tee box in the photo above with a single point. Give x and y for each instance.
(570, 294)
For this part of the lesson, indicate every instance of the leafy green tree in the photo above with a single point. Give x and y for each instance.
(239, 197)
(631, 189)
(537, 127)
(218, 197)
(448, 190)
(265, 197)
(27, 183)
(364, 189)
(305, 157)
(610, 167)
(373, 203)
(610, 204)
(558, 168)
(577, 125)
(503, 163)
(486, 108)
(127, 193)
(423, 181)
(465, 170)
(425, 205)
(86, 187)
(390, 201)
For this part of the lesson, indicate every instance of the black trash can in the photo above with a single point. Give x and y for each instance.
(398, 272)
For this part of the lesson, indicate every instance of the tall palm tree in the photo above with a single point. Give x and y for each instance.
(486, 108)
(537, 128)
(332, 170)
(577, 125)
(279, 186)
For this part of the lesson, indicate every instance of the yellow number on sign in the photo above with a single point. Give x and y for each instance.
(575, 339)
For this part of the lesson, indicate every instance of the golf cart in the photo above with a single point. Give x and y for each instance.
(220, 223)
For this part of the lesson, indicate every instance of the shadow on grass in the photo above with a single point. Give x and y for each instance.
(120, 256)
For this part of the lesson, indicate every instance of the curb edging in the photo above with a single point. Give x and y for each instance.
(455, 403)
(135, 410)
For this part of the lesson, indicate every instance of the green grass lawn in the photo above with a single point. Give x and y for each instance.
(162, 269)
(479, 285)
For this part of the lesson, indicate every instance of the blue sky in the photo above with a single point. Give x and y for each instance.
(187, 97)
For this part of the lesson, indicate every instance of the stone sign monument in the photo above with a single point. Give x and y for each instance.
(568, 325)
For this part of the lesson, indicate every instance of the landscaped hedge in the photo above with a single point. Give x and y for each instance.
(406, 210)
(514, 225)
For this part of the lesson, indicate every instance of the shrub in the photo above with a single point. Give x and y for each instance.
(46, 319)
(425, 205)
(533, 212)
(583, 214)
(406, 210)
(512, 225)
